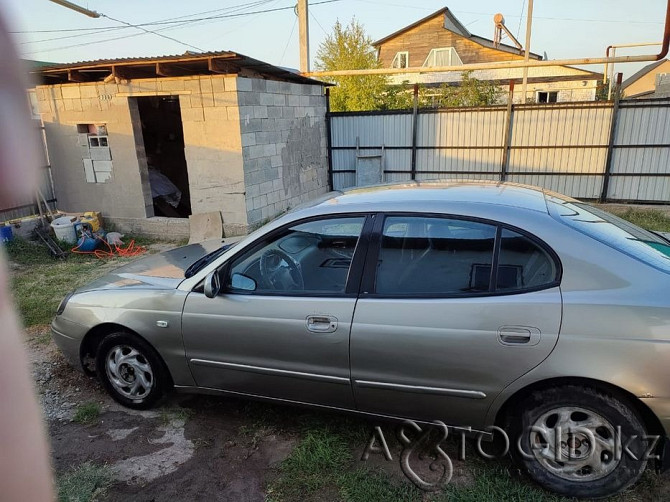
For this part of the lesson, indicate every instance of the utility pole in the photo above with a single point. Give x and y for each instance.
(76, 8)
(303, 20)
(529, 22)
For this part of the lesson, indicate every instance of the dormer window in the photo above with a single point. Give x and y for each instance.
(444, 56)
(401, 60)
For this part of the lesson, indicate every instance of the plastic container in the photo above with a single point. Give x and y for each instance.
(92, 219)
(6, 234)
(64, 229)
(87, 244)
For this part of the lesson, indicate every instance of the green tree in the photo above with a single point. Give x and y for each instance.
(349, 48)
(602, 90)
(468, 92)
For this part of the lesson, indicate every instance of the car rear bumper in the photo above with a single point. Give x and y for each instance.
(69, 345)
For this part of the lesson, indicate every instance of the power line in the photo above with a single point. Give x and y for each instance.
(317, 22)
(154, 33)
(94, 42)
(63, 30)
(250, 19)
(224, 16)
(176, 21)
(523, 6)
(295, 21)
(103, 30)
(626, 21)
(114, 28)
(180, 24)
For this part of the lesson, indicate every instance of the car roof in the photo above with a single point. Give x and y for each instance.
(483, 192)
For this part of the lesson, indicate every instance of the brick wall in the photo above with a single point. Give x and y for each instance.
(283, 130)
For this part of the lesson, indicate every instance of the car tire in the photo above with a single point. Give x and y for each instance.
(130, 370)
(584, 423)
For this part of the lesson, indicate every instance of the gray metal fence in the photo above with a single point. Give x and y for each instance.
(596, 150)
(28, 207)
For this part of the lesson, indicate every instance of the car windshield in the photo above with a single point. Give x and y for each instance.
(208, 258)
(645, 246)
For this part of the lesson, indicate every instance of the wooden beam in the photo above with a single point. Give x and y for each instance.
(222, 65)
(169, 70)
(119, 74)
(77, 76)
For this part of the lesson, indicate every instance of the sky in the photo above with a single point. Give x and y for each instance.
(561, 28)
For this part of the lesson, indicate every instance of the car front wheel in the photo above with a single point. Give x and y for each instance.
(130, 370)
(579, 441)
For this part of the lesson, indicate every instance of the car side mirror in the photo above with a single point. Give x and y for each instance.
(241, 282)
(212, 285)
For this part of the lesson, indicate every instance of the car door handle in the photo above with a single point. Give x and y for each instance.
(518, 335)
(321, 323)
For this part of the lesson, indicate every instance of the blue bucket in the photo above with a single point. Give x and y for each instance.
(6, 234)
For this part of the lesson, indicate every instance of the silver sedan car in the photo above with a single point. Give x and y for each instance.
(475, 304)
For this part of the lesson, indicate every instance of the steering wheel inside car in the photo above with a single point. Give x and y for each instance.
(280, 271)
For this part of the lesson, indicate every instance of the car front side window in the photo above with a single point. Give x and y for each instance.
(308, 258)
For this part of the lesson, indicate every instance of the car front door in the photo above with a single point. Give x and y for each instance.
(280, 326)
(451, 311)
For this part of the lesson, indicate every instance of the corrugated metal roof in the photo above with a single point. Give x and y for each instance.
(235, 59)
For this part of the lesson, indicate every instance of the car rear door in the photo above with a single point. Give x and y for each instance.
(274, 335)
(451, 311)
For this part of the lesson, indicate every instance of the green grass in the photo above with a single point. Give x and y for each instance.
(85, 483)
(325, 465)
(365, 485)
(39, 282)
(651, 219)
(322, 465)
(169, 415)
(496, 483)
(86, 413)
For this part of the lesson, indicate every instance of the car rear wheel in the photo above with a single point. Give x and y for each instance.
(130, 370)
(579, 442)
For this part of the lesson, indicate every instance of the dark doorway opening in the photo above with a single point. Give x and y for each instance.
(163, 136)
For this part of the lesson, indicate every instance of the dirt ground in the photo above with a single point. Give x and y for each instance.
(193, 447)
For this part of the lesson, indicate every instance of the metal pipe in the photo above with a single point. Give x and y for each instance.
(482, 66)
(511, 64)
(76, 8)
(610, 143)
(526, 56)
(609, 87)
(619, 46)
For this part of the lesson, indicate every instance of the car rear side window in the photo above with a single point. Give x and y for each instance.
(434, 256)
(522, 264)
(613, 231)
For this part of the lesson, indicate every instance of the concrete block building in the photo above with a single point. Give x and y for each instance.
(151, 141)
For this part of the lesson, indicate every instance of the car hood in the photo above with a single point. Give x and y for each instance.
(160, 271)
